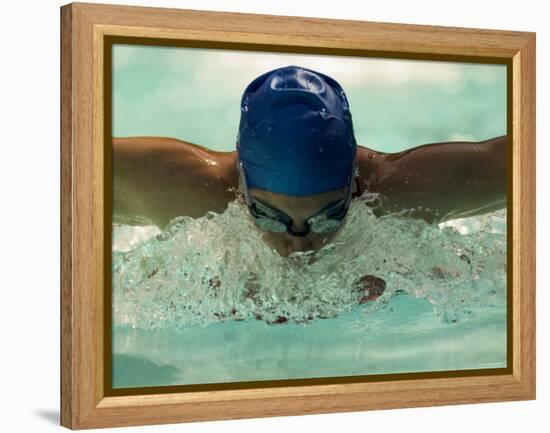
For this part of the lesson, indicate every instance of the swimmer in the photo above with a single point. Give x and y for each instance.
(298, 167)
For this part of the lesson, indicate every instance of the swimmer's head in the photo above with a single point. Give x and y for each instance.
(296, 154)
(296, 134)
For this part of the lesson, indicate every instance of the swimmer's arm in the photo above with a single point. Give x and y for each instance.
(156, 179)
(440, 181)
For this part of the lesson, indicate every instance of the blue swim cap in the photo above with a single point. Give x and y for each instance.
(296, 134)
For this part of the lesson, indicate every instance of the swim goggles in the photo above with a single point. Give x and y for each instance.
(269, 219)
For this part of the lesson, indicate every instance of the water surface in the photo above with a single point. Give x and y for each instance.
(207, 301)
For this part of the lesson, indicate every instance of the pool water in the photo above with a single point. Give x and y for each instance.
(207, 301)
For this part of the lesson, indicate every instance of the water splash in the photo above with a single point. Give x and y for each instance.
(217, 268)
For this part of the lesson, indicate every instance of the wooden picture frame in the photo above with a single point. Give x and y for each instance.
(87, 30)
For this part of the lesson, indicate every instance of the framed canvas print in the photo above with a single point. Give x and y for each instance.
(268, 215)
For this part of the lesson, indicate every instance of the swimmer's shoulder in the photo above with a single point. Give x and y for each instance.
(369, 163)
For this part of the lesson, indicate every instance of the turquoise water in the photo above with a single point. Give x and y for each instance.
(402, 336)
(206, 301)
(194, 95)
(172, 325)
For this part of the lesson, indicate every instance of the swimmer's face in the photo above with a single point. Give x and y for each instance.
(299, 208)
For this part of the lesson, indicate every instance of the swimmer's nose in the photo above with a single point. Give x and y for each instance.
(298, 229)
(300, 243)
(299, 233)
